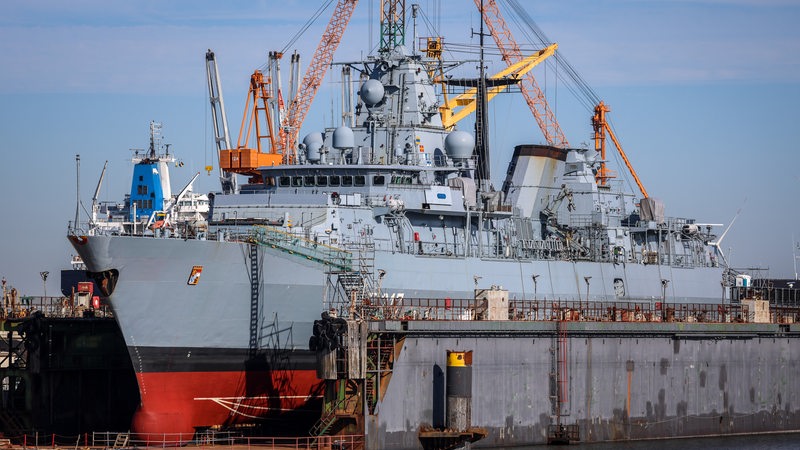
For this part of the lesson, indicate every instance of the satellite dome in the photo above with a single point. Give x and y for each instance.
(371, 92)
(459, 145)
(313, 142)
(343, 138)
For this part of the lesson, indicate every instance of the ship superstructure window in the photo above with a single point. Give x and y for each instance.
(401, 179)
(359, 180)
(284, 181)
(297, 181)
(333, 180)
(378, 180)
(141, 189)
(619, 288)
(347, 180)
(322, 180)
(308, 180)
(143, 204)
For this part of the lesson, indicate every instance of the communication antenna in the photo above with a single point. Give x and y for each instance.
(78, 190)
(795, 248)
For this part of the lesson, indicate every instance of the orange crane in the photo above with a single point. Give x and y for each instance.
(323, 55)
(530, 89)
(243, 159)
(601, 127)
(538, 104)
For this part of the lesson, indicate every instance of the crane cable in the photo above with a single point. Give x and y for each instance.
(574, 82)
(325, 5)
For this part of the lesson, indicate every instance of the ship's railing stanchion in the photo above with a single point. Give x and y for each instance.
(644, 311)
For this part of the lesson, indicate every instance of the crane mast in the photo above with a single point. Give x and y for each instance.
(601, 127)
(222, 137)
(534, 96)
(308, 87)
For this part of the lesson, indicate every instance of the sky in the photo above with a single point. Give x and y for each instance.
(704, 97)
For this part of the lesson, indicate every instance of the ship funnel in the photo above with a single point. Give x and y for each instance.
(343, 138)
(313, 143)
(371, 92)
(459, 145)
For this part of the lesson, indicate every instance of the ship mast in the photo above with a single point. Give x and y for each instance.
(484, 172)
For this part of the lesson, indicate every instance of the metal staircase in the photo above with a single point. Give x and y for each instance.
(255, 283)
(380, 360)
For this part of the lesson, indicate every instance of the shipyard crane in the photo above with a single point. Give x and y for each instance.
(601, 127)
(466, 101)
(244, 159)
(307, 90)
(541, 111)
(511, 54)
(222, 137)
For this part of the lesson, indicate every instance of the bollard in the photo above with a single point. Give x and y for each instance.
(458, 390)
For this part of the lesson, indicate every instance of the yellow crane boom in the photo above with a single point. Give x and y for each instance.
(466, 101)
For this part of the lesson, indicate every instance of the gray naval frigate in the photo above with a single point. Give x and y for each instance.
(218, 320)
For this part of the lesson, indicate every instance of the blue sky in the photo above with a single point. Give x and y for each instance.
(704, 96)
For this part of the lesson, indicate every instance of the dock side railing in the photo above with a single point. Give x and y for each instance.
(405, 308)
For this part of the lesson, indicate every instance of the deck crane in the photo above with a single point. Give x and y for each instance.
(243, 159)
(530, 89)
(300, 104)
(222, 137)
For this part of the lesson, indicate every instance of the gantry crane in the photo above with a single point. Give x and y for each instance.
(530, 89)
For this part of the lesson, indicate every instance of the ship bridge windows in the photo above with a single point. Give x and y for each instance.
(297, 181)
(143, 204)
(402, 179)
(322, 180)
(347, 180)
(308, 180)
(334, 180)
(285, 181)
(378, 180)
(141, 189)
(359, 180)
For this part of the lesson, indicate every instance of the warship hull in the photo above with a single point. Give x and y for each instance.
(232, 359)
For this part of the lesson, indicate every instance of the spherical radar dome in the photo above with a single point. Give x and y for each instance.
(459, 145)
(371, 92)
(343, 138)
(313, 142)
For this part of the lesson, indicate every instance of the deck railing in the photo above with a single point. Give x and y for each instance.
(405, 308)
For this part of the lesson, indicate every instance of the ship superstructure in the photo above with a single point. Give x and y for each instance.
(217, 323)
(150, 203)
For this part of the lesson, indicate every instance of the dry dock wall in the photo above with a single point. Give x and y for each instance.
(621, 380)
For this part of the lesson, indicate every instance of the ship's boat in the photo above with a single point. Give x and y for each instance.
(218, 321)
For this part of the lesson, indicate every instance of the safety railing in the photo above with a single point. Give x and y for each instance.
(405, 308)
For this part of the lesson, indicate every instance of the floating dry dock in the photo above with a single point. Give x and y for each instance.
(64, 370)
(544, 371)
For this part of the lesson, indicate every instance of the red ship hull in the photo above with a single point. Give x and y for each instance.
(176, 404)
